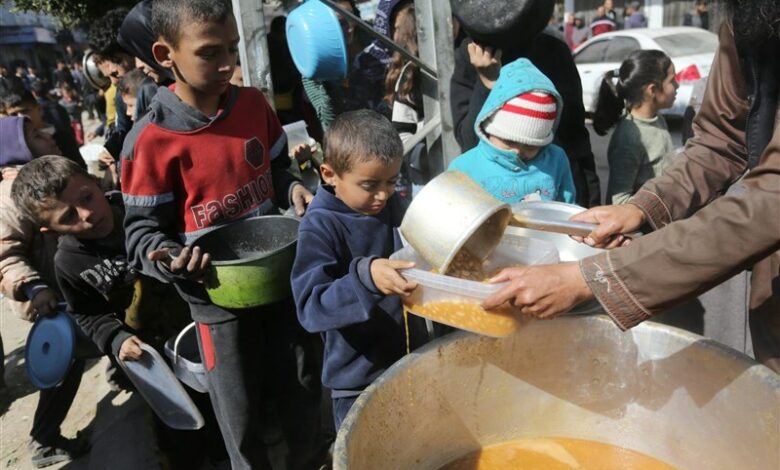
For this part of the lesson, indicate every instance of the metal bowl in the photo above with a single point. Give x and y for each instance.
(92, 72)
(452, 212)
(657, 390)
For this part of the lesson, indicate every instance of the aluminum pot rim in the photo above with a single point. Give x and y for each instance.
(472, 231)
(762, 372)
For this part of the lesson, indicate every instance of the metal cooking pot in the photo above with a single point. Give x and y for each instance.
(251, 260)
(452, 212)
(655, 389)
(92, 73)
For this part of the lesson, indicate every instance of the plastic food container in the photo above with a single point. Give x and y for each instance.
(456, 302)
(162, 391)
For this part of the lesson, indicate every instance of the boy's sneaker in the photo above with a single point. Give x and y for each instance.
(60, 451)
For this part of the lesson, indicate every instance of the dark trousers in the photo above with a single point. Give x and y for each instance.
(54, 403)
(53, 406)
(264, 387)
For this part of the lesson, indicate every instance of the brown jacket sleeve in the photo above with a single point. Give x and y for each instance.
(26, 255)
(720, 234)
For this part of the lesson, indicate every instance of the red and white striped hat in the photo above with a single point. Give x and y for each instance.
(528, 118)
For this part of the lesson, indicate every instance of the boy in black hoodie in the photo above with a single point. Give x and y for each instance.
(206, 154)
(344, 286)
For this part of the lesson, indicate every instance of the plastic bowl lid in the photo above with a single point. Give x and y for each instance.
(316, 42)
(49, 349)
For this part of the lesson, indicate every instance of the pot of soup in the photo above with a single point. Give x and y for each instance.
(570, 393)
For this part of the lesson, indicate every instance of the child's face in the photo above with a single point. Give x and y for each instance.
(525, 152)
(39, 142)
(205, 57)
(665, 95)
(366, 187)
(81, 210)
(130, 102)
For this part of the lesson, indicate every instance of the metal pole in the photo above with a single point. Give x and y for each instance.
(253, 48)
(383, 39)
(435, 42)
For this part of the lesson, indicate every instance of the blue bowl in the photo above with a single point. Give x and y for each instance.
(316, 42)
(50, 349)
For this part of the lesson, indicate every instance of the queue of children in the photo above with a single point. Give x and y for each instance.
(344, 286)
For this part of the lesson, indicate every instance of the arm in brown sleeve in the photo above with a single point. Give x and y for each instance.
(724, 235)
(16, 234)
(715, 157)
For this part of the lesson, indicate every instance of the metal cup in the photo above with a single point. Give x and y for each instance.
(453, 212)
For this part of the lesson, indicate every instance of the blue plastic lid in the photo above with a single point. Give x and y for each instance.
(49, 349)
(316, 42)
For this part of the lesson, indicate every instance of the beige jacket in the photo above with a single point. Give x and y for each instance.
(26, 254)
(703, 236)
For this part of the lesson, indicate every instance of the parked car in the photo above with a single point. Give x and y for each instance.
(694, 104)
(692, 51)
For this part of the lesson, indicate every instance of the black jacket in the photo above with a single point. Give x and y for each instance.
(761, 70)
(97, 282)
(553, 58)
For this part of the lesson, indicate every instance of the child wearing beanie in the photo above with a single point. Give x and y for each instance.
(515, 159)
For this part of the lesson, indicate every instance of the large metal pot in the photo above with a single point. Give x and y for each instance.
(452, 212)
(251, 259)
(666, 393)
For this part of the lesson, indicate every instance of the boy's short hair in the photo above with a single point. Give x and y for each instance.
(131, 82)
(14, 101)
(102, 37)
(40, 183)
(169, 16)
(360, 136)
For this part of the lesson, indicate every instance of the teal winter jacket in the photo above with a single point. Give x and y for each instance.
(547, 176)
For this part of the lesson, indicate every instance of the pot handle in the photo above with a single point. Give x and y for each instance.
(178, 339)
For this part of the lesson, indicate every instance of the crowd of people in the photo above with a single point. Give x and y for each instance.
(189, 149)
(575, 30)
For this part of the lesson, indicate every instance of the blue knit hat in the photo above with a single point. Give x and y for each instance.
(13, 147)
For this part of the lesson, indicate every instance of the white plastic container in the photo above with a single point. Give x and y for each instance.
(456, 302)
(297, 135)
(91, 155)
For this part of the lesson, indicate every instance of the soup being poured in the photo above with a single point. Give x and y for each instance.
(555, 454)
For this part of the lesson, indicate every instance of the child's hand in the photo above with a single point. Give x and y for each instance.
(9, 173)
(105, 158)
(384, 273)
(190, 263)
(131, 349)
(302, 153)
(301, 197)
(44, 303)
(487, 61)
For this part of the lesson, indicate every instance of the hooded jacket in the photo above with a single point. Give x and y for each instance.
(136, 37)
(184, 174)
(553, 58)
(335, 295)
(501, 172)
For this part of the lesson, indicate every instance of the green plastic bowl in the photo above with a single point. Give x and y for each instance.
(251, 261)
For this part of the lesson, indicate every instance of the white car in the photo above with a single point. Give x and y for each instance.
(692, 51)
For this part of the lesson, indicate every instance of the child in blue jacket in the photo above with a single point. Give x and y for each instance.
(515, 159)
(344, 286)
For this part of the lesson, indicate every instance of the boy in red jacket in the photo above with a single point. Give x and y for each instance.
(206, 154)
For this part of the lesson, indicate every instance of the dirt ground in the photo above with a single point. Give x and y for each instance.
(119, 420)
